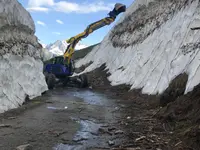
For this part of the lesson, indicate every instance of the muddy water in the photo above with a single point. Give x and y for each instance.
(66, 119)
(86, 137)
(89, 136)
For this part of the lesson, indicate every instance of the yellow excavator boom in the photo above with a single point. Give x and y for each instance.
(119, 8)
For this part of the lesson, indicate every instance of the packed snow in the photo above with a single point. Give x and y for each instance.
(21, 70)
(20, 77)
(150, 45)
(12, 13)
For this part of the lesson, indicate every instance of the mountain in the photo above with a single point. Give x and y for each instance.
(59, 47)
(77, 54)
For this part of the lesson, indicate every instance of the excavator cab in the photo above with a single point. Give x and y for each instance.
(59, 67)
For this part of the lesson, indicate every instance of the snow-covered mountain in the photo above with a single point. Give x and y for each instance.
(59, 47)
(151, 45)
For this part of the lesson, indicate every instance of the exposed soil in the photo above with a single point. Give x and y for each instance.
(183, 117)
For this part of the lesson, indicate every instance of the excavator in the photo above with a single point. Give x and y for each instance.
(62, 68)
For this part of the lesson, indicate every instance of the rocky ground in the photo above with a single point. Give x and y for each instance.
(103, 117)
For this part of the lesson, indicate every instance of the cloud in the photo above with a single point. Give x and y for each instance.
(68, 7)
(38, 3)
(41, 23)
(37, 9)
(59, 21)
(56, 33)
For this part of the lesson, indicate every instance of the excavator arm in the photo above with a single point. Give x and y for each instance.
(119, 8)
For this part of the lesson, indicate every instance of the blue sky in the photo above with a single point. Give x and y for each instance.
(62, 19)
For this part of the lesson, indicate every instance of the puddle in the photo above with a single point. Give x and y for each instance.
(87, 136)
(90, 97)
(89, 130)
(69, 147)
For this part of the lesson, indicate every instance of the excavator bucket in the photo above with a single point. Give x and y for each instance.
(119, 8)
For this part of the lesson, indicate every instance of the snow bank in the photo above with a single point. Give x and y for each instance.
(19, 77)
(20, 53)
(150, 45)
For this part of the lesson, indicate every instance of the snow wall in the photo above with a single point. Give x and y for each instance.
(20, 65)
(151, 45)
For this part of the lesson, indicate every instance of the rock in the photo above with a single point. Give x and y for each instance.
(24, 147)
(102, 130)
(158, 129)
(104, 126)
(128, 117)
(119, 132)
(49, 102)
(177, 144)
(116, 108)
(140, 138)
(111, 143)
(137, 148)
(80, 139)
(111, 128)
(11, 118)
(5, 125)
(64, 139)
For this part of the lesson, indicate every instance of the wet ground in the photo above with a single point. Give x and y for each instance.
(64, 119)
(75, 119)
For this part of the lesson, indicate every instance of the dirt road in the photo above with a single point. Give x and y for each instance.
(66, 119)
(63, 119)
